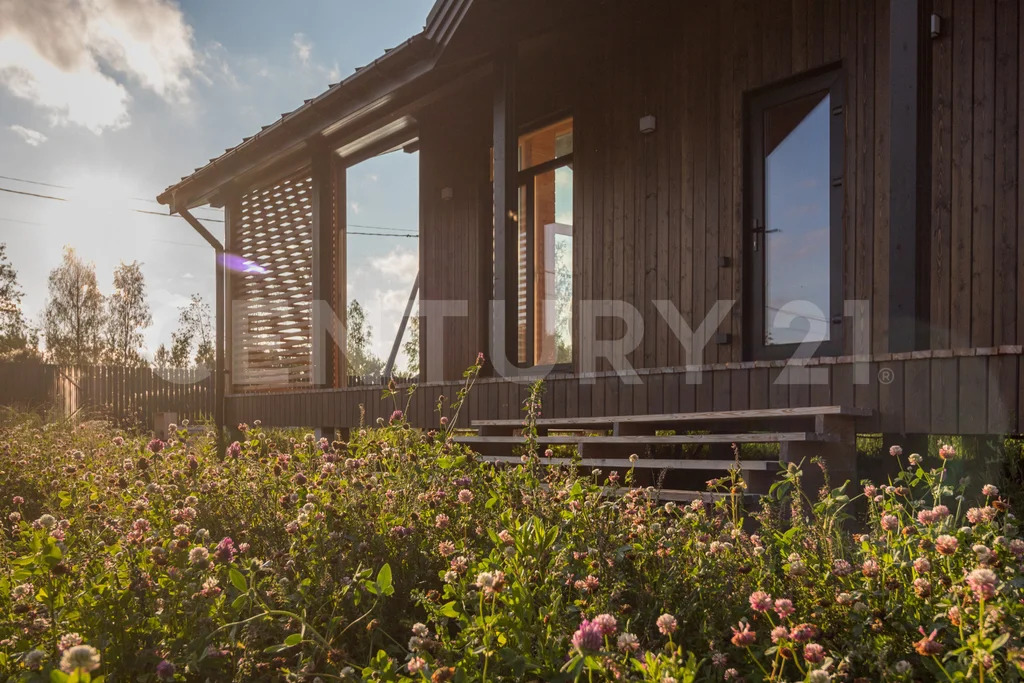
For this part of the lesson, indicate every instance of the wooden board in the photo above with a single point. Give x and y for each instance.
(682, 418)
(644, 463)
(757, 437)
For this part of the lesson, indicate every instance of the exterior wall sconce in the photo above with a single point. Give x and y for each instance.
(935, 25)
(647, 124)
(447, 193)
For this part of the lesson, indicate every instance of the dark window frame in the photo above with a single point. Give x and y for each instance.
(830, 78)
(525, 178)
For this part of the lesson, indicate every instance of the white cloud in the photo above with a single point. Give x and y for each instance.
(63, 56)
(31, 137)
(302, 51)
(303, 48)
(355, 207)
(399, 264)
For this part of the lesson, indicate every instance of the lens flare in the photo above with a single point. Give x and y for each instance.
(242, 265)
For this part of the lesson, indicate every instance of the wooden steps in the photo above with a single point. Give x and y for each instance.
(605, 442)
(652, 440)
(644, 463)
(683, 496)
(609, 422)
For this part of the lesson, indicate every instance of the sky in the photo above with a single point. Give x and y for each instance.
(104, 103)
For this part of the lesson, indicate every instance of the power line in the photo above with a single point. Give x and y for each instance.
(32, 194)
(380, 227)
(379, 234)
(167, 215)
(383, 231)
(153, 201)
(33, 222)
(67, 187)
(35, 182)
(18, 220)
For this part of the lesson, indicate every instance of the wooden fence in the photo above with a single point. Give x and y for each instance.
(131, 395)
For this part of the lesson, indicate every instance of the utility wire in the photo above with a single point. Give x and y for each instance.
(410, 233)
(33, 194)
(35, 182)
(153, 201)
(156, 213)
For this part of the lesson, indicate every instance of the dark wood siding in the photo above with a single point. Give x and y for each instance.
(976, 392)
(655, 214)
(456, 233)
(661, 216)
(975, 273)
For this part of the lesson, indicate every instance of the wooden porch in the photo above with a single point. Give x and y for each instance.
(923, 226)
(974, 391)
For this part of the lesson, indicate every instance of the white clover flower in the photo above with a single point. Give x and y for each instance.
(198, 555)
(34, 659)
(627, 642)
(47, 521)
(80, 658)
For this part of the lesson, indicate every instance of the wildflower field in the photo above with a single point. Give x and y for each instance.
(398, 556)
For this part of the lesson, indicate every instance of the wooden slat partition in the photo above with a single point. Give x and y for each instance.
(272, 285)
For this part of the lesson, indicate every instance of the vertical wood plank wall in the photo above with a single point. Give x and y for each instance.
(976, 278)
(655, 214)
(456, 234)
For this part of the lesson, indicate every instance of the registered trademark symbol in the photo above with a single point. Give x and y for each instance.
(886, 376)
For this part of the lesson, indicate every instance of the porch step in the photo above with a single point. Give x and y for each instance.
(651, 440)
(643, 463)
(603, 442)
(686, 496)
(610, 421)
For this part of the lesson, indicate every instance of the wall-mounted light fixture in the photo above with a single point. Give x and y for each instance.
(647, 124)
(935, 25)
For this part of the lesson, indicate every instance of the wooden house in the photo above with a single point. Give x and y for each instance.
(839, 177)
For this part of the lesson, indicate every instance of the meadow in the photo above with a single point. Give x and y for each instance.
(398, 556)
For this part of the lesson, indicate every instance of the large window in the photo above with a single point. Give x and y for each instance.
(795, 232)
(544, 288)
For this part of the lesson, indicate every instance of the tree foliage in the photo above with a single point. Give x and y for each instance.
(361, 361)
(411, 347)
(195, 331)
(18, 340)
(162, 358)
(74, 318)
(127, 315)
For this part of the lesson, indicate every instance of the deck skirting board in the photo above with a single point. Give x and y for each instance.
(976, 391)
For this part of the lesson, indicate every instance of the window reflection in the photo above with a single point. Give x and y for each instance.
(797, 221)
(544, 300)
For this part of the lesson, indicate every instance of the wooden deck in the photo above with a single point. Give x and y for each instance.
(925, 392)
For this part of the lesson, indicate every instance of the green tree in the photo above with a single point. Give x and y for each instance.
(195, 330)
(162, 358)
(74, 318)
(361, 361)
(18, 340)
(127, 315)
(411, 347)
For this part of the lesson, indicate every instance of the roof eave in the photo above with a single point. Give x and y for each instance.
(403, 64)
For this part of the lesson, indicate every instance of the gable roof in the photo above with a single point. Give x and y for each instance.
(346, 103)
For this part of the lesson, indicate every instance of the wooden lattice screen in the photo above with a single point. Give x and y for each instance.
(272, 286)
